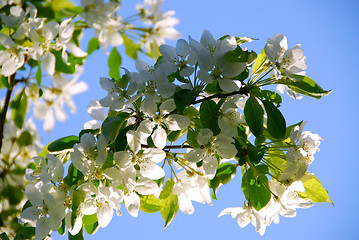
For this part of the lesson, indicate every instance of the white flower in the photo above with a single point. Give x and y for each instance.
(213, 63)
(229, 118)
(12, 58)
(53, 100)
(47, 209)
(46, 171)
(291, 62)
(191, 188)
(88, 154)
(221, 145)
(97, 112)
(245, 216)
(286, 201)
(101, 200)
(16, 17)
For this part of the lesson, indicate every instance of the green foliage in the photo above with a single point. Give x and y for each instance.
(225, 173)
(25, 139)
(38, 75)
(19, 109)
(131, 47)
(112, 126)
(314, 191)
(209, 116)
(260, 61)
(79, 236)
(183, 98)
(73, 176)
(61, 66)
(255, 188)
(93, 45)
(62, 228)
(305, 85)
(270, 96)
(114, 63)
(253, 113)
(4, 82)
(275, 123)
(169, 201)
(91, 228)
(150, 204)
(255, 153)
(64, 143)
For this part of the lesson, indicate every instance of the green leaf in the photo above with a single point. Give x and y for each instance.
(62, 228)
(225, 173)
(61, 66)
(4, 236)
(112, 126)
(183, 98)
(169, 201)
(131, 47)
(4, 82)
(213, 87)
(91, 228)
(25, 139)
(305, 86)
(73, 176)
(275, 123)
(89, 219)
(255, 188)
(44, 151)
(63, 143)
(209, 116)
(114, 63)
(315, 191)
(271, 96)
(38, 75)
(19, 109)
(93, 45)
(77, 198)
(260, 60)
(121, 140)
(79, 236)
(25, 233)
(253, 113)
(150, 204)
(255, 154)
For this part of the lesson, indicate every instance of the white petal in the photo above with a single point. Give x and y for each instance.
(50, 30)
(177, 122)
(167, 106)
(133, 140)
(204, 136)
(49, 63)
(132, 203)
(154, 154)
(152, 171)
(30, 214)
(182, 48)
(159, 137)
(104, 215)
(168, 52)
(195, 155)
(210, 165)
(185, 204)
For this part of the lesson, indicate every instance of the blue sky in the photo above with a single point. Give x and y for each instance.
(329, 34)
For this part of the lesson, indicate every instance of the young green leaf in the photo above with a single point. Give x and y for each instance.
(209, 116)
(253, 113)
(150, 204)
(79, 236)
(114, 63)
(183, 98)
(131, 47)
(260, 60)
(305, 86)
(93, 45)
(111, 127)
(19, 109)
(89, 219)
(38, 75)
(63, 143)
(225, 173)
(255, 188)
(169, 201)
(315, 191)
(91, 228)
(275, 123)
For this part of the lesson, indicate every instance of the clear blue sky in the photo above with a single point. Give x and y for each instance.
(329, 34)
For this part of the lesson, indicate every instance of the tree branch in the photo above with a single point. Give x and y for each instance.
(6, 107)
(170, 147)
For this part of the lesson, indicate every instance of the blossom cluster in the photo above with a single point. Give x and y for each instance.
(190, 113)
(41, 60)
